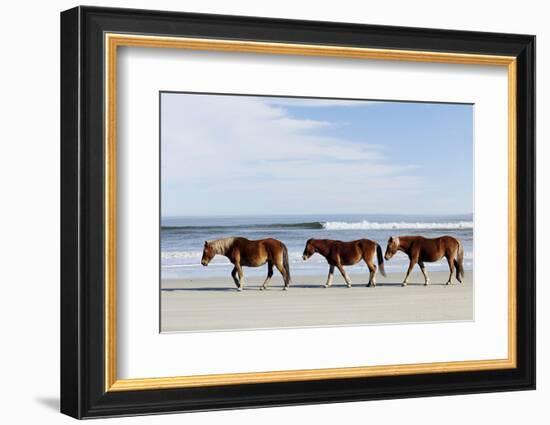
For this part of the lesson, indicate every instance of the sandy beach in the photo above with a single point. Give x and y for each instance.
(215, 304)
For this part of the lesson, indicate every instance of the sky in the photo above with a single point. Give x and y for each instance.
(252, 155)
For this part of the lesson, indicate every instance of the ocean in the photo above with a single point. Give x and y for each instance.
(182, 239)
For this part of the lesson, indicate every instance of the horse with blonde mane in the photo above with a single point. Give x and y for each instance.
(243, 252)
(420, 250)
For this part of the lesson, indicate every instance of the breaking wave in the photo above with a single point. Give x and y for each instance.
(334, 225)
(372, 225)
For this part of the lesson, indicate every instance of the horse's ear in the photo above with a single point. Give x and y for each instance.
(205, 243)
(390, 239)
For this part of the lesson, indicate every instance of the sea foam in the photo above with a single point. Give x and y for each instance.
(372, 225)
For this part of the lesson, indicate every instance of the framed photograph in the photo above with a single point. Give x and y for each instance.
(261, 212)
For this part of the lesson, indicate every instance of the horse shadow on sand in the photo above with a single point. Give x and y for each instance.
(201, 289)
(320, 286)
(360, 285)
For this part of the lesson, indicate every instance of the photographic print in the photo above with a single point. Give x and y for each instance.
(282, 212)
(345, 190)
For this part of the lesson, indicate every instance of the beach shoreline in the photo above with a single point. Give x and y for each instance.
(211, 304)
(182, 239)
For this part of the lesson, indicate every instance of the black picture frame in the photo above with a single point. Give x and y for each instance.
(83, 392)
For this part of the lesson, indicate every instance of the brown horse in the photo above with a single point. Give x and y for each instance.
(340, 254)
(421, 250)
(244, 252)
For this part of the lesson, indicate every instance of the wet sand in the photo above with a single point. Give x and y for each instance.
(215, 304)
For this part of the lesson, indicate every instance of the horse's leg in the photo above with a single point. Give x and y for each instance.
(241, 276)
(372, 272)
(344, 274)
(234, 276)
(269, 275)
(424, 272)
(330, 276)
(412, 263)
(282, 270)
(451, 268)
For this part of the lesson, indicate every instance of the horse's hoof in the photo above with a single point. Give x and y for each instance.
(447, 283)
(262, 288)
(326, 286)
(285, 288)
(404, 284)
(239, 289)
(349, 286)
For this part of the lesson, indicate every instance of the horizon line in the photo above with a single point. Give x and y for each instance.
(312, 214)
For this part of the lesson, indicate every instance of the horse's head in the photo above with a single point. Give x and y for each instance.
(393, 246)
(207, 253)
(309, 250)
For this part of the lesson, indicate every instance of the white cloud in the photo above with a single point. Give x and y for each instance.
(235, 155)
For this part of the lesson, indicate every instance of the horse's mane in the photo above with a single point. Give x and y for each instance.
(220, 246)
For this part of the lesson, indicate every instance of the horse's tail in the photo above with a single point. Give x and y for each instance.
(380, 259)
(459, 262)
(286, 265)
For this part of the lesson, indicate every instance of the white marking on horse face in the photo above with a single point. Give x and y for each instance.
(392, 248)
